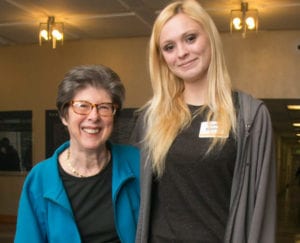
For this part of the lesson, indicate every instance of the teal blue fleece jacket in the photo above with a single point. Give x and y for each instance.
(45, 213)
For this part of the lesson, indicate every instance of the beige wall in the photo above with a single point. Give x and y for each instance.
(10, 188)
(30, 75)
(265, 65)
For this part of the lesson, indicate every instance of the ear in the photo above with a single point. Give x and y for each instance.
(64, 121)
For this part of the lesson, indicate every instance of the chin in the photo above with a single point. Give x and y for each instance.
(92, 146)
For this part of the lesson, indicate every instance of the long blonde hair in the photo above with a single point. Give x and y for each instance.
(167, 113)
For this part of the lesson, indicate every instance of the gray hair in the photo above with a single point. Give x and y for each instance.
(80, 77)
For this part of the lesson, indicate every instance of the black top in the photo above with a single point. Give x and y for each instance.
(91, 200)
(191, 199)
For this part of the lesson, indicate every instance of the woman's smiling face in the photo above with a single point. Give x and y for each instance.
(185, 47)
(89, 131)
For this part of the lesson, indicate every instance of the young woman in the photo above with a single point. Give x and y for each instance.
(88, 191)
(208, 167)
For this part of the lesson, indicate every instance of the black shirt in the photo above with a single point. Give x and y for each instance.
(91, 200)
(191, 199)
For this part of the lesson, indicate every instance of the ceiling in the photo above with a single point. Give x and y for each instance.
(94, 19)
(86, 19)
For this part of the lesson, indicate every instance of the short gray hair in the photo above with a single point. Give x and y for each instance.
(80, 77)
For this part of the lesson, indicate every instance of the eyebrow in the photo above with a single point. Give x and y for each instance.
(187, 32)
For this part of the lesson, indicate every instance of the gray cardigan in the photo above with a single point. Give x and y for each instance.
(252, 216)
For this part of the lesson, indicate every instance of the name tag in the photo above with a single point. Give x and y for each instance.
(210, 130)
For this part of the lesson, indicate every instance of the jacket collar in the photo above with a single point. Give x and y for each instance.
(55, 191)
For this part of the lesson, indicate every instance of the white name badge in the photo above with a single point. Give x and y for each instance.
(211, 130)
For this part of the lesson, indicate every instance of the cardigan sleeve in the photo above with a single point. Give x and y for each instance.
(262, 226)
(29, 227)
(252, 217)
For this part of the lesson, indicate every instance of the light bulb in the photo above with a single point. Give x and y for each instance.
(44, 34)
(237, 23)
(57, 35)
(250, 23)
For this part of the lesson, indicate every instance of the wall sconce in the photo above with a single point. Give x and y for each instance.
(244, 19)
(51, 31)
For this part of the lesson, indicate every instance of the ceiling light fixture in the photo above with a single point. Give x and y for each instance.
(244, 19)
(296, 124)
(51, 31)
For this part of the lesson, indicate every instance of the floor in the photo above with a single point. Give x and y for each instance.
(288, 218)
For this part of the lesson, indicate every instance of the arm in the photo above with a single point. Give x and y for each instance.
(29, 227)
(263, 179)
(252, 216)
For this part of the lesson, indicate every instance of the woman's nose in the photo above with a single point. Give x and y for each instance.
(94, 114)
(182, 50)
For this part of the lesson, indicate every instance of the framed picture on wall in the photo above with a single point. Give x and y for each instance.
(15, 140)
(56, 132)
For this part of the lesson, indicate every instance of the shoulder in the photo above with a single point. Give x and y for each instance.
(124, 149)
(38, 181)
(252, 111)
(41, 169)
(125, 158)
(125, 153)
(45, 171)
(250, 107)
(247, 100)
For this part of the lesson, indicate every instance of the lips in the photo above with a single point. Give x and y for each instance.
(186, 64)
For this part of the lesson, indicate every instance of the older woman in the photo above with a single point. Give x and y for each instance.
(88, 191)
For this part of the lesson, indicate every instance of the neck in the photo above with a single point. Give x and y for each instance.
(195, 93)
(84, 165)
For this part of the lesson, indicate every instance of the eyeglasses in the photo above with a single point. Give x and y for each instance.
(83, 107)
